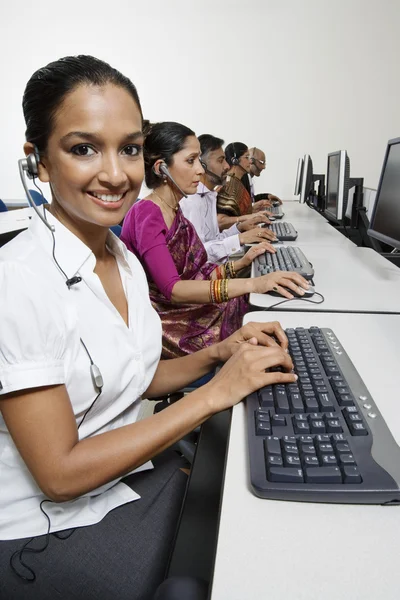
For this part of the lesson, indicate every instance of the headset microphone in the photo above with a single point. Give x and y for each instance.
(29, 165)
(216, 179)
(165, 171)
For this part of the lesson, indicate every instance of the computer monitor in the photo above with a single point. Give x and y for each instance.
(385, 220)
(337, 189)
(306, 183)
(299, 177)
(307, 192)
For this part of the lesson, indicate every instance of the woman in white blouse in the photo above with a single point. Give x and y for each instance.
(73, 455)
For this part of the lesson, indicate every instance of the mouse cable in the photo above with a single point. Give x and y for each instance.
(291, 300)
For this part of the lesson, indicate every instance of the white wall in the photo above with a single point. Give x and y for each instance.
(289, 76)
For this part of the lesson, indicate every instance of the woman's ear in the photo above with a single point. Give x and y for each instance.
(43, 174)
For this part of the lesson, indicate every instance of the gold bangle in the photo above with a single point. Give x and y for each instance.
(212, 297)
(218, 291)
(232, 268)
(224, 292)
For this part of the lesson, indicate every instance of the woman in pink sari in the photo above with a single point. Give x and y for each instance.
(199, 303)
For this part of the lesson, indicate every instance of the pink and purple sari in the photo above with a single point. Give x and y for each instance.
(170, 255)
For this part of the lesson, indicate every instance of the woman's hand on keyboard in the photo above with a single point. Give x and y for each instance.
(245, 372)
(251, 254)
(253, 236)
(258, 334)
(281, 282)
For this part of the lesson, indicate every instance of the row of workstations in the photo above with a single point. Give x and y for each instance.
(279, 549)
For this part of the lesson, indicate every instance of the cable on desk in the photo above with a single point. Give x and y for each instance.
(291, 300)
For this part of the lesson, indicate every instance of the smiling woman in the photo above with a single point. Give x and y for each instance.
(75, 361)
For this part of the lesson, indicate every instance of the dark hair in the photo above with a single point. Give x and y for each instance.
(163, 141)
(234, 150)
(209, 143)
(48, 87)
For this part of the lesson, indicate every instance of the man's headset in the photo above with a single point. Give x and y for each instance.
(29, 165)
(216, 179)
(164, 173)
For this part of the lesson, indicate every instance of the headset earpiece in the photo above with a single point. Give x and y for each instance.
(234, 159)
(32, 165)
(164, 171)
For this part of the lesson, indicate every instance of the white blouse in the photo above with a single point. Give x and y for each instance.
(41, 323)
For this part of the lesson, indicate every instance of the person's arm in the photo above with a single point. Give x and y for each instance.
(174, 374)
(43, 427)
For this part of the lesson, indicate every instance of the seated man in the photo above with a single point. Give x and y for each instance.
(234, 199)
(201, 208)
(257, 165)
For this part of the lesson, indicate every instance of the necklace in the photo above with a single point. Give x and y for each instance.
(174, 208)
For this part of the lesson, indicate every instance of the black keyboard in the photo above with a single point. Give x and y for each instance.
(285, 232)
(321, 439)
(287, 258)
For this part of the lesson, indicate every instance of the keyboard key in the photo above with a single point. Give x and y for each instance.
(275, 461)
(311, 461)
(263, 428)
(333, 426)
(278, 421)
(346, 459)
(272, 445)
(285, 475)
(358, 429)
(266, 397)
(308, 449)
(290, 449)
(317, 427)
(323, 439)
(282, 402)
(292, 461)
(342, 448)
(325, 448)
(329, 459)
(326, 402)
(264, 417)
(301, 427)
(311, 404)
(346, 400)
(323, 475)
(296, 403)
(351, 475)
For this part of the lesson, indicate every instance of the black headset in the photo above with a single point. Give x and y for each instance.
(234, 159)
(164, 172)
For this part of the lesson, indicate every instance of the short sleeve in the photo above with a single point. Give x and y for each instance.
(144, 233)
(33, 330)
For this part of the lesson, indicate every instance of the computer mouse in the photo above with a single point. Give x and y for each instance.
(307, 293)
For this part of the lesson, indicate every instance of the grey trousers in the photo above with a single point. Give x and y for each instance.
(123, 557)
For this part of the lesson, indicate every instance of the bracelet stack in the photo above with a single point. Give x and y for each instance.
(219, 291)
(226, 270)
(230, 269)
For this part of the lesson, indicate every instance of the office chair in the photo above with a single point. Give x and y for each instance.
(38, 198)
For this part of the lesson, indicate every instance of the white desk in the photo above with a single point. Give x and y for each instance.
(15, 220)
(303, 551)
(351, 279)
(295, 210)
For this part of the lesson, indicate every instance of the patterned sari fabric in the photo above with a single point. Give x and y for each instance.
(234, 200)
(191, 327)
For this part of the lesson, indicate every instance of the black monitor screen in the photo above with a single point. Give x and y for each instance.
(333, 184)
(386, 217)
